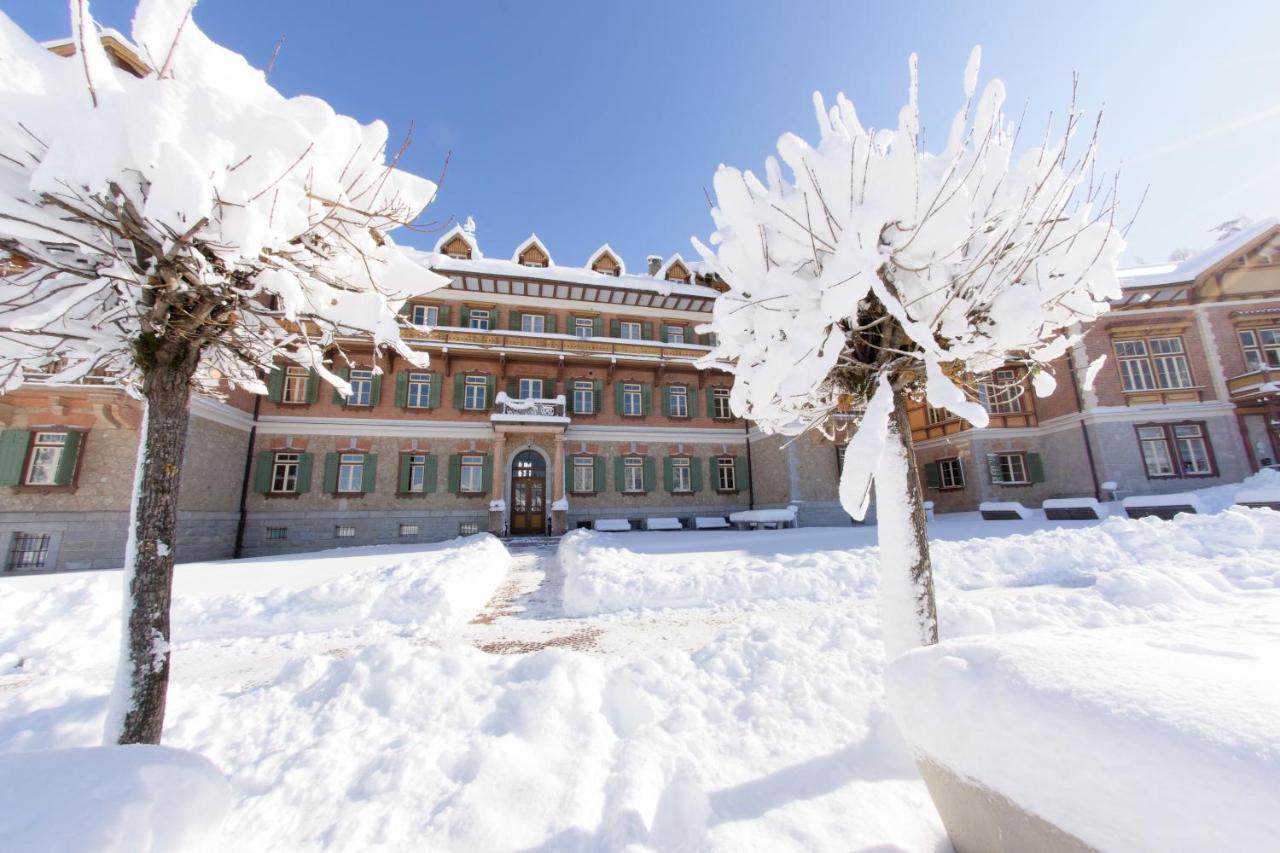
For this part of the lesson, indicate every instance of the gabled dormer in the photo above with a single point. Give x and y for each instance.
(531, 253)
(675, 269)
(606, 262)
(459, 242)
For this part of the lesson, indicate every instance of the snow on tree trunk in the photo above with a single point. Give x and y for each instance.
(908, 611)
(136, 710)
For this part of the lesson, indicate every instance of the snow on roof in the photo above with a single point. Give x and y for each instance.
(670, 262)
(531, 241)
(1193, 267)
(468, 237)
(622, 266)
(103, 32)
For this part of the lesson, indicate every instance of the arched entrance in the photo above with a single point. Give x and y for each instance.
(528, 493)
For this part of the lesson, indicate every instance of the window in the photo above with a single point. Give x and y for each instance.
(1175, 450)
(474, 393)
(533, 323)
(934, 415)
(46, 456)
(478, 318)
(417, 473)
(472, 474)
(295, 385)
(284, 473)
(425, 315)
(584, 327)
(1009, 469)
(351, 472)
(720, 404)
(950, 474)
(681, 475)
(726, 477)
(678, 400)
(28, 551)
(361, 388)
(277, 533)
(468, 528)
(584, 474)
(1261, 347)
(675, 334)
(408, 530)
(1001, 394)
(344, 531)
(584, 397)
(419, 391)
(629, 330)
(1147, 365)
(633, 474)
(530, 389)
(631, 399)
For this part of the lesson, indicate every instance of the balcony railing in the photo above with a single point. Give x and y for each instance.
(529, 411)
(1254, 383)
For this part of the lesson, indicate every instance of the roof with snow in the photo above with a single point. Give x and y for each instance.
(457, 232)
(1188, 270)
(532, 242)
(606, 249)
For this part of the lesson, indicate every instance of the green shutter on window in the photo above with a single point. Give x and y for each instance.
(262, 472)
(597, 392)
(514, 321)
(668, 475)
(369, 476)
(695, 475)
(551, 324)
(513, 388)
(304, 473)
(275, 384)
(341, 373)
(455, 473)
(434, 398)
(711, 402)
(568, 474)
(490, 382)
(486, 477)
(313, 386)
(615, 328)
(465, 313)
(330, 473)
(429, 473)
(932, 477)
(666, 400)
(691, 400)
(597, 326)
(402, 482)
(13, 453)
(406, 309)
(646, 331)
(598, 478)
(619, 477)
(741, 476)
(646, 399)
(617, 394)
(494, 314)
(70, 455)
(459, 391)
(375, 393)
(650, 479)
(442, 316)
(1035, 468)
(402, 388)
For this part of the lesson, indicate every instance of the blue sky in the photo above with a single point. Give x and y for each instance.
(594, 122)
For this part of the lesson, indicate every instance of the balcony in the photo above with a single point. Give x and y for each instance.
(1254, 384)
(532, 412)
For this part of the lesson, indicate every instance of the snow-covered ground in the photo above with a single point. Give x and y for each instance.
(688, 690)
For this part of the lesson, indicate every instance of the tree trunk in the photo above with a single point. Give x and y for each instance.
(908, 611)
(136, 711)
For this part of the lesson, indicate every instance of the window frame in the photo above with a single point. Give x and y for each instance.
(417, 379)
(280, 471)
(480, 384)
(582, 464)
(674, 334)
(417, 473)
(427, 311)
(946, 473)
(726, 465)
(1001, 393)
(532, 380)
(633, 464)
(533, 320)
(638, 394)
(1021, 456)
(294, 384)
(1140, 359)
(364, 397)
(475, 315)
(587, 393)
(467, 464)
(719, 394)
(43, 547)
(346, 464)
(52, 464)
(625, 325)
(1263, 351)
(681, 393)
(678, 464)
(1170, 441)
(587, 324)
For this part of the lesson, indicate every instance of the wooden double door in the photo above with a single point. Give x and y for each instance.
(528, 494)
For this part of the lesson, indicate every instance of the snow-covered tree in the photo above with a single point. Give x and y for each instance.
(874, 273)
(193, 227)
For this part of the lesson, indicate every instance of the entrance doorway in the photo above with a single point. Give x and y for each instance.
(528, 494)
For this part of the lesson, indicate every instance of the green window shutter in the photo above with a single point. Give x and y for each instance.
(932, 477)
(375, 393)
(13, 453)
(70, 455)
(551, 324)
(330, 473)
(711, 401)
(597, 326)
(262, 473)
(668, 476)
(490, 382)
(513, 320)
(442, 315)
(568, 474)
(369, 476)
(1035, 468)
(304, 473)
(646, 331)
(619, 481)
(486, 476)
(572, 328)
(666, 400)
(741, 477)
(275, 385)
(465, 312)
(494, 315)
(513, 388)
(650, 479)
(691, 397)
(402, 482)
(341, 373)
(599, 475)
(436, 380)
(617, 395)
(695, 475)
(406, 309)
(455, 473)
(429, 473)
(615, 328)
(597, 391)
(459, 400)
(646, 399)
(402, 388)
(313, 385)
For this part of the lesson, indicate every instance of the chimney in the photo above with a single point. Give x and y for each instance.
(655, 264)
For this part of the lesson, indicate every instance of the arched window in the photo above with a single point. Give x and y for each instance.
(528, 463)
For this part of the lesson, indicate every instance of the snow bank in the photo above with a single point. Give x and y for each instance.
(1128, 739)
(760, 516)
(131, 799)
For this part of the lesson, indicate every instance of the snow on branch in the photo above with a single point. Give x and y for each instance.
(195, 204)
